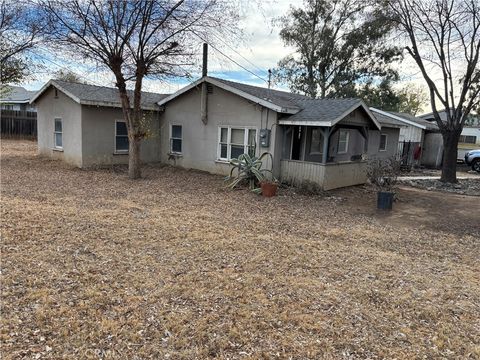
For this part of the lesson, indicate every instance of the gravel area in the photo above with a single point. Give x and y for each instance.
(95, 265)
(464, 186)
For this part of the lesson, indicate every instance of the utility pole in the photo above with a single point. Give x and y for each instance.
(269, 78)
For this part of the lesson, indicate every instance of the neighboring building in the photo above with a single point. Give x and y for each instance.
(211, 121)
(470, 137)
(83, 124)
(430, 118)
(18, 116)
(17, 98)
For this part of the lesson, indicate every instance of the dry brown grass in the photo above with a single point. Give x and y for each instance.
(172, 266)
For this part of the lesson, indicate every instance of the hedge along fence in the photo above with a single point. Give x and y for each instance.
(18, 124)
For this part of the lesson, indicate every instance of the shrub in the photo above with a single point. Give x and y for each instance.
(383, 173)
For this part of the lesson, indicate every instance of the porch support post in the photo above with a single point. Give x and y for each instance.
(365, 137)
(326, 142)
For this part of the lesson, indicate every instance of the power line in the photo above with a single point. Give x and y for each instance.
(229, 58)
(236, 52)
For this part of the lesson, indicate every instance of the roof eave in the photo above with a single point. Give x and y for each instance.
(6, 101)
(385, 113)
(115, 105)
(305, 123)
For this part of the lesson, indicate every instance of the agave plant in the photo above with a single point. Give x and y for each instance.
(248, 169)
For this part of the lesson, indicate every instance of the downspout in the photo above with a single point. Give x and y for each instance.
(204, 95)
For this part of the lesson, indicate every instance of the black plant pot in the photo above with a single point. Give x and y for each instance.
(385, 200)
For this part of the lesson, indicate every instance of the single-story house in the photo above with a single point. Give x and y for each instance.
(83, 124)
(207, 123)
(420, 141)
(16, 98)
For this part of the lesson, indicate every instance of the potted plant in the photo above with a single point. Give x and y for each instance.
(269, 187)
(383, 174)
(248, 169)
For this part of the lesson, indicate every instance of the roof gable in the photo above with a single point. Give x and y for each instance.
(279, 101)
(327, 112)
(86, 94)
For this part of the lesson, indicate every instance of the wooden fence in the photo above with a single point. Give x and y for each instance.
(18, 124)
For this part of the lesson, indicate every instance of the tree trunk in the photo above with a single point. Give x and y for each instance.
(132, 119)
(450, 148)
(134, 170)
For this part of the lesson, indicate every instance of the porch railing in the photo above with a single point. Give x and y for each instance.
(328, 176)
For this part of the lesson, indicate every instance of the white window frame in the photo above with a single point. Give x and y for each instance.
(380, 142)
(55, 146)
(346, 142)
(229, 143)
(115, 138)
(171, 138)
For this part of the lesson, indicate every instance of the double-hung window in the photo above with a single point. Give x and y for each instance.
(383, 142)
(58, 134)
(235, 141)
(176, 139)
(121, 137)
(343, 141)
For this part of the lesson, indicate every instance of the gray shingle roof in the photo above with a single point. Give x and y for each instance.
(302, 107)
(309, 109)
(388, 121)
(17, 94)
(101, 95)
(322, 109)
(283, 99)
(429, 125)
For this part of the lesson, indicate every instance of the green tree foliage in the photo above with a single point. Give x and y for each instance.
(338, 43)
(410, 99)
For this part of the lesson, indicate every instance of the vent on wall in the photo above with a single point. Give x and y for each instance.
(209, 88)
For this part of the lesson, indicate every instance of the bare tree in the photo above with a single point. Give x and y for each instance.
(135, 39)
(444, 40)
(19, 30)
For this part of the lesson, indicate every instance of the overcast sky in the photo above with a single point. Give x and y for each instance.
(262, 50)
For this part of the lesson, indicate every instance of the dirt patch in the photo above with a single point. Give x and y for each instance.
(464, 186)
(417, 208)
(95, 265)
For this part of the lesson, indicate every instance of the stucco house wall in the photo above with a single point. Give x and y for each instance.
(374, 143)
(200, 141)
(50, 107)
(98, 137)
